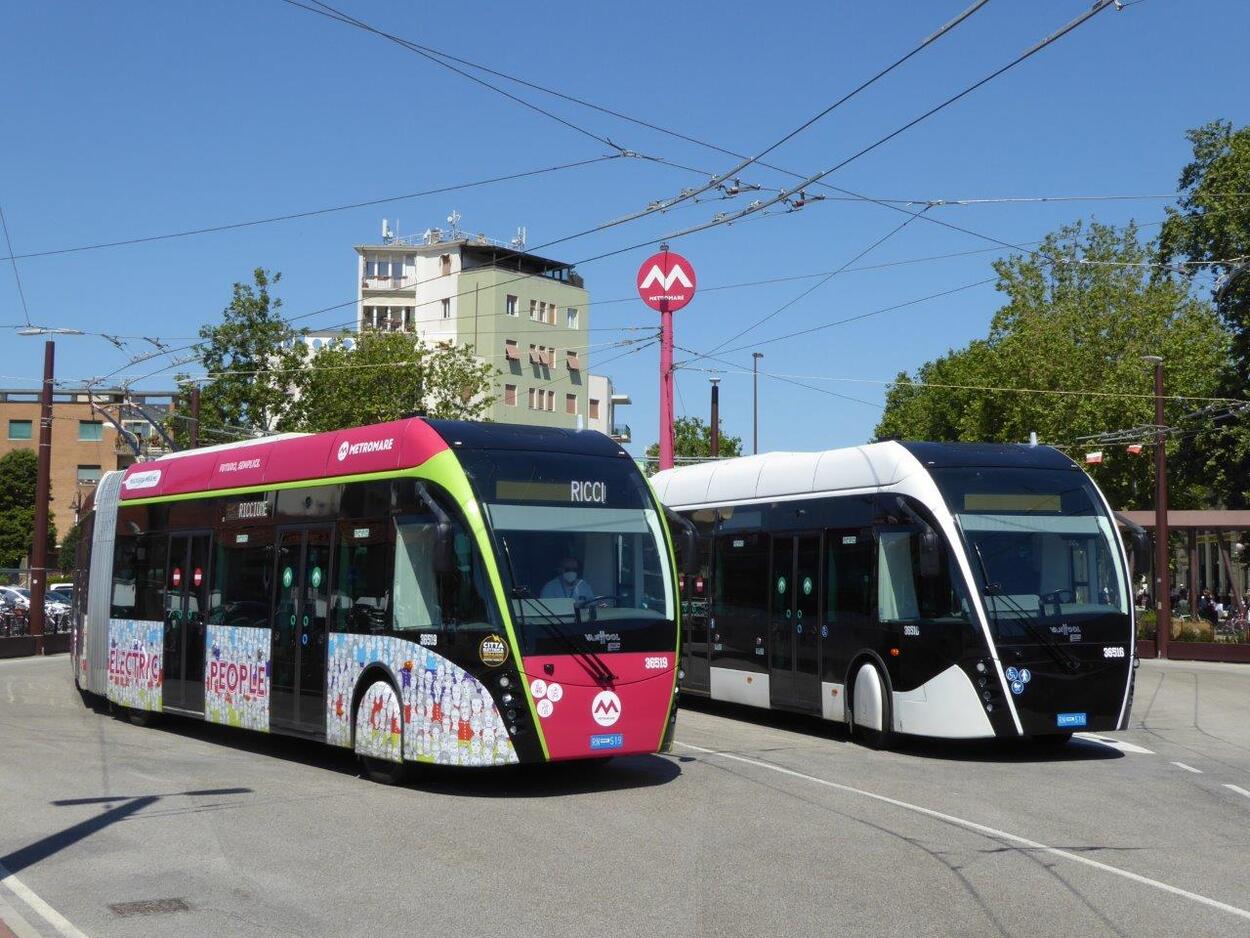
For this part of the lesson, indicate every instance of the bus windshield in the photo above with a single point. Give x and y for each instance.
(581, 543)
(1043, 547)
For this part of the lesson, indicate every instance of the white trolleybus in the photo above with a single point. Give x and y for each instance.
(944, 590)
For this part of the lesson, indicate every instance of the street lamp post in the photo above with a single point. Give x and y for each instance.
(715, 447)
(1163, 597)
(755, 397)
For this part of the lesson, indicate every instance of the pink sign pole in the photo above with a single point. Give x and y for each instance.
(666, 283)
(666, 386)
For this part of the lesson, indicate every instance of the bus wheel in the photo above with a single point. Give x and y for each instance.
(870, 708)
(140, 717)
(378, 740)
(384, 772)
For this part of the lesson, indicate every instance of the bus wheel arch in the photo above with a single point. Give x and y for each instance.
(380, 753)
(868, 694)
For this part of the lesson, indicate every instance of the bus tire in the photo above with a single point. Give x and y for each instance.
(376, 750)
(140, 717)
(870, 707)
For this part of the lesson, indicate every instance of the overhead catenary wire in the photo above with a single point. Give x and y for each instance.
(16, 275)
(665, 204)
(1037, 47)
(310, 213)
(935, 385)
(816, 286)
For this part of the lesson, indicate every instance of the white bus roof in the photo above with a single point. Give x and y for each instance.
(776, 475)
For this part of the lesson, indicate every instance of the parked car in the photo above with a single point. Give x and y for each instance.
(15, 597)
(63, 596)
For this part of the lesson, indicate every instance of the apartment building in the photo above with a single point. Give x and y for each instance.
(85, 441)
(526, 315)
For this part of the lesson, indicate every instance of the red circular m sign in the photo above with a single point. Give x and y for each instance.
(666, 281)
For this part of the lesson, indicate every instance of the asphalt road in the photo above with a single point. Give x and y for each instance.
(754, 825)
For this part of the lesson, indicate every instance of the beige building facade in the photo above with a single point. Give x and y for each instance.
(525, 315)
(85, 442)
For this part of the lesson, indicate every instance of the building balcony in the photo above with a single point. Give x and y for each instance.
(620, 433)
(385, 283)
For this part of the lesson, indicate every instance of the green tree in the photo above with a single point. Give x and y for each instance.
(19, 471)
(69, 547)
(693, 438)
(1208, 235)
(385, 376)
(1079, 316)
(251, 358)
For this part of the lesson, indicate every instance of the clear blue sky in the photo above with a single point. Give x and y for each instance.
(126, 120)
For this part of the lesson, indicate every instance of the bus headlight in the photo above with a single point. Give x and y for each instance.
(506, 699)
(504, 681)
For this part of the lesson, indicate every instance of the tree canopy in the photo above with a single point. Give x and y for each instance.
(1208, 235)
(1063, 357)
(19, 472)
(385, 376)
(693, 438)
(251, 358)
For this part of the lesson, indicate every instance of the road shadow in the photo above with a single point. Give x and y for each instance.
(512, 781)
(1013, 750)
(115, 808)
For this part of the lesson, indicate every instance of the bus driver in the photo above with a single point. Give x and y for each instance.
(568, 584)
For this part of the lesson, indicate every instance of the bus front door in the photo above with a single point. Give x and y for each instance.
(297, 692)
(186, 599)
(794, 623)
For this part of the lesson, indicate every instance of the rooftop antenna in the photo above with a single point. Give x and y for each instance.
(387, 234)
(454, 220)
(519, 241)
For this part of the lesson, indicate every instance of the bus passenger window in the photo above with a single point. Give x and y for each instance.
(896, 581)
(425, 600)
(362, 594)
(242, 572)
(415, 587)
(903, 595)
(848, 577)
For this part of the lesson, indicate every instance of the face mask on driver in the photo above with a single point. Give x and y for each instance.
(570, 577)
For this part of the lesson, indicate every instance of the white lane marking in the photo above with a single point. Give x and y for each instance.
(1239, 790)
(1187, 768)
(1115, 743)
(17, 924)
(988, 831)
(50, 915)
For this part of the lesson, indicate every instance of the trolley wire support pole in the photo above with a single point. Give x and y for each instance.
(715, 447)
(39, 550)
(1163, 595)
(666, 386)
(195, 416)
(755, 402)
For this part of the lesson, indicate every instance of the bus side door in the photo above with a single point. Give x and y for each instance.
(302, 584)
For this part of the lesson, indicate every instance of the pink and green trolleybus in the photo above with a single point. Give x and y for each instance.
(420, 591)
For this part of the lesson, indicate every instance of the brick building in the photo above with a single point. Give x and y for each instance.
(85, 443)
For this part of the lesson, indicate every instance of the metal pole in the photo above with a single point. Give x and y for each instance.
(39, 550)
(195, 417)
(755, 396)
(1163, 598)
(666, 386)
(715, 417)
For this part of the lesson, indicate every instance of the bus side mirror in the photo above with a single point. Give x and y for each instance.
(686, 540)
(444, 548)
(930, 554)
